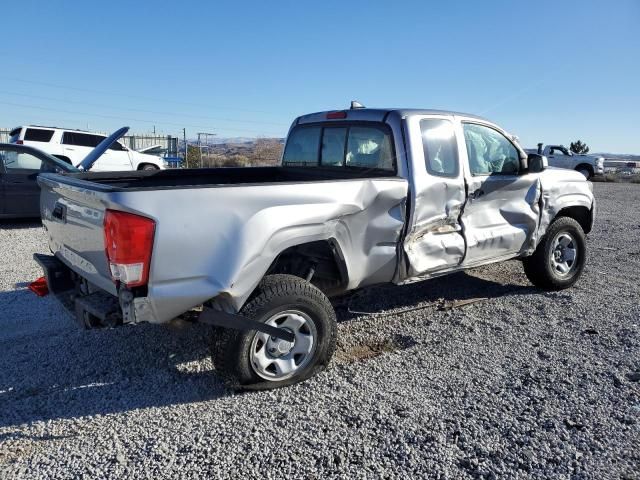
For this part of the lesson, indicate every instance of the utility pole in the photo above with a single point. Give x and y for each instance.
(206, 140)
(184, 137)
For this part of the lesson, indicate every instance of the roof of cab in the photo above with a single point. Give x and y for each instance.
(379, 114)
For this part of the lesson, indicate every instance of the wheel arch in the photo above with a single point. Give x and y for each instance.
(581, 214)
(141, 165)
(585, 166)
(320, 261)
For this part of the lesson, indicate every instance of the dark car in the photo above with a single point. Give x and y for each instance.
(19, 169)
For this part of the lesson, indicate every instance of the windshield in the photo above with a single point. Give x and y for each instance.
(53, 164)
(14, 135)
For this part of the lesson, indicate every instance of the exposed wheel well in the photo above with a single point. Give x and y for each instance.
(582, 215)
(321, 262)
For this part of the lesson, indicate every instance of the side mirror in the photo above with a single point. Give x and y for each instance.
(537, 163)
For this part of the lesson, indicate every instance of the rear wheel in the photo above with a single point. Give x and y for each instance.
(560, 257)
(255, 360)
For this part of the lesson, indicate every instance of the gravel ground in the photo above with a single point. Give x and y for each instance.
(524, 384)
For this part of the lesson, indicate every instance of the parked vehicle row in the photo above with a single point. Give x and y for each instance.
(363, 196)
(72, 146)
(20, 166)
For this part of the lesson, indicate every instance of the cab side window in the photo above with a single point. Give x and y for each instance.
(489, 151)
(439, 145)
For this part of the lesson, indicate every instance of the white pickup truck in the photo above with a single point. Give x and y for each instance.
(363, 196)
(561, 157)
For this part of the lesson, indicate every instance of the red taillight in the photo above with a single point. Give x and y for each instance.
(39, 287)
(335, 115)
(128, 239)
(19, 142)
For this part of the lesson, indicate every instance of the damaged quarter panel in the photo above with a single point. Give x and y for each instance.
(246, 227)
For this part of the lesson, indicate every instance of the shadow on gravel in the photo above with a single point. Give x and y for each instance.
(16, 224)
(457, 286)
(52, 369)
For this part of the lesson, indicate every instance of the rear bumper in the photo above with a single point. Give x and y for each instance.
(90, 309)
(59, 276)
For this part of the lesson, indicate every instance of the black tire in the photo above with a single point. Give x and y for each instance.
(585, 170)
(149, 167)
(539, 267)
(275, 294)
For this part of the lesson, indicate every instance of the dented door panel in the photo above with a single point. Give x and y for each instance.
(434, 239)
(501, 215)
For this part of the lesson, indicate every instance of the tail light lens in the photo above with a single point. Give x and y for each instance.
(19, 142)
(129, 241)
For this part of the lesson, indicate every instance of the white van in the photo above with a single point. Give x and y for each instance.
(72, 146)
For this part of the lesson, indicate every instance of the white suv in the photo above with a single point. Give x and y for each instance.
(73, 145)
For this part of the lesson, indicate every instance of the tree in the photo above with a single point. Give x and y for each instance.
(193, 157)
(579, 147)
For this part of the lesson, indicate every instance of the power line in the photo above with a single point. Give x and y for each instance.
(138, 97)
(128, 119)
(155, 112)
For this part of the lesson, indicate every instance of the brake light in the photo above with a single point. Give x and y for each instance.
(335, 115)
(19, 142)
(129, 241)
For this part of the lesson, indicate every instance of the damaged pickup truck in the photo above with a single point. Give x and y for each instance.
(363, 196)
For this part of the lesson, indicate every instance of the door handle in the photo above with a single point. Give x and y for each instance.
(477, 194)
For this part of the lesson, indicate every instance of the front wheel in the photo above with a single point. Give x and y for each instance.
(560, 257)
(586, 172)
(257, 361)
(149, 167)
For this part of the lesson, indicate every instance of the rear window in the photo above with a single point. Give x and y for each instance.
(14, 135)
(81, 139)
(343, 145)
(38, 135)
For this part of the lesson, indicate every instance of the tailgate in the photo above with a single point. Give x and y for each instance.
(73, 215)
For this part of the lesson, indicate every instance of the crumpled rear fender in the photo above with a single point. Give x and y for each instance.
(239, 236)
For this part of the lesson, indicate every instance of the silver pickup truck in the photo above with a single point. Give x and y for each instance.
(363, 196)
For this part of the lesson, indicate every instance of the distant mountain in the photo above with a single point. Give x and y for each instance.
(233, 140)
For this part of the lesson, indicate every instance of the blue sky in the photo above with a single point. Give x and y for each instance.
(550, 71)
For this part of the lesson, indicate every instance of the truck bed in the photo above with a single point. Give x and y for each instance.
(217, 231)
(211, 177)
